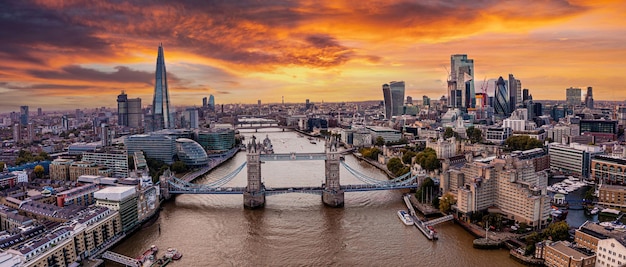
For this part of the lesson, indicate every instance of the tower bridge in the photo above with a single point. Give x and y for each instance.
(331, 190)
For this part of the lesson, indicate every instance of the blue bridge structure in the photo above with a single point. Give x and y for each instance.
(254, 193)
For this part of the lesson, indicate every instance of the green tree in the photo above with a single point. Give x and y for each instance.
(557, 231)
(379, 141)
(371, 153)
(474, 135)
(394, 165)
(179, 167)
(39, 170)
(446, 202)
(426, 191)
(589, 195)
(408, 156)
(428, 159)
(44, 155)
(448, 133)
(522, 142)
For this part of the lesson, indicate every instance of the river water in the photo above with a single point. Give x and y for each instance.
(297, 229)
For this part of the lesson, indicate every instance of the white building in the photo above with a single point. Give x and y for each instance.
(390, 135)
(497, 135)
(574, 159)
(511, 185)
(557, 133)
(515, 125)
(22, 176)
(611, 253)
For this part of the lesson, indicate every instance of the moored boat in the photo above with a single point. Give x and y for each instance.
(405, 217)
(172, 253)
(148, 254)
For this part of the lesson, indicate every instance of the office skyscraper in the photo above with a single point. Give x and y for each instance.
(573, 96)
(461, 92)
(129, 111)
(204, 102)
(397, 97)
(525, 95)
(211, 102)
(589, 98)
(135, 114)
(502, 98)
(24, 115)
(161, 118)
(515, 93)
(387, 100)
(122, 109)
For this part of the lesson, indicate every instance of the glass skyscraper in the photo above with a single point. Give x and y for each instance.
(161, 118)
(397, 97)
(387, 101)
(461, 82)
(501, 104)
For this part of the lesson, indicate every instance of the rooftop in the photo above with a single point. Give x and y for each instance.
(117, 193)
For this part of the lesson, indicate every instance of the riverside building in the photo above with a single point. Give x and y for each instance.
(510, 185)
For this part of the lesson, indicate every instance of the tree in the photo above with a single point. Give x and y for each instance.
(589, 195)
(394, 165)
(379, 141)
(426, 191)
(408, 156)
(522, 142)
(557, 231)
(474, 135)
(446, 202)
(179, 166)
(39, 170)
(448, 133)
(428, 159)
(370, 153)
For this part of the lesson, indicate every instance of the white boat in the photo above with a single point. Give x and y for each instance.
(405, 217)
(594, 211)
(551, 189)
(562, 191)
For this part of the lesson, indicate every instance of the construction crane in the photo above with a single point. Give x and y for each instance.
(483, 88)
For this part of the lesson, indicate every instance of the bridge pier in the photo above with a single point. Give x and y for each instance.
(333, 198)
(252, 200)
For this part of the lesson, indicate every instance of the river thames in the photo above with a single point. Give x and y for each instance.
(297, 229)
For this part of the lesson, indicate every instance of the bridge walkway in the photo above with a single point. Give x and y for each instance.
(121, 259)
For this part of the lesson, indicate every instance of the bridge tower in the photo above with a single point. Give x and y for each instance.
(333, 194)
(164, 185)
(254, 195)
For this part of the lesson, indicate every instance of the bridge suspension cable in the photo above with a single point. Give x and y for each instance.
(398, 180)
(217, 183)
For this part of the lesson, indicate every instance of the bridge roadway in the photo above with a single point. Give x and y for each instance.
(285, 190)
(256, 127)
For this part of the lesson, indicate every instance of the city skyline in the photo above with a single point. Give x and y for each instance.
(339, 51)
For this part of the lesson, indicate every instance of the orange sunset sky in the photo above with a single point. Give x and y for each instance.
(77, 54)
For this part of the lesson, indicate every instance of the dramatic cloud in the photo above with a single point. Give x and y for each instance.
(247, 50)
(122, 74)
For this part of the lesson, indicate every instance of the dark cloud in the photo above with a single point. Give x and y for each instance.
(122, 74)
(28, 28)
(46, 86)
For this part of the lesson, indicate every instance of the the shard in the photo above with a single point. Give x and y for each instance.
(161, 103)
